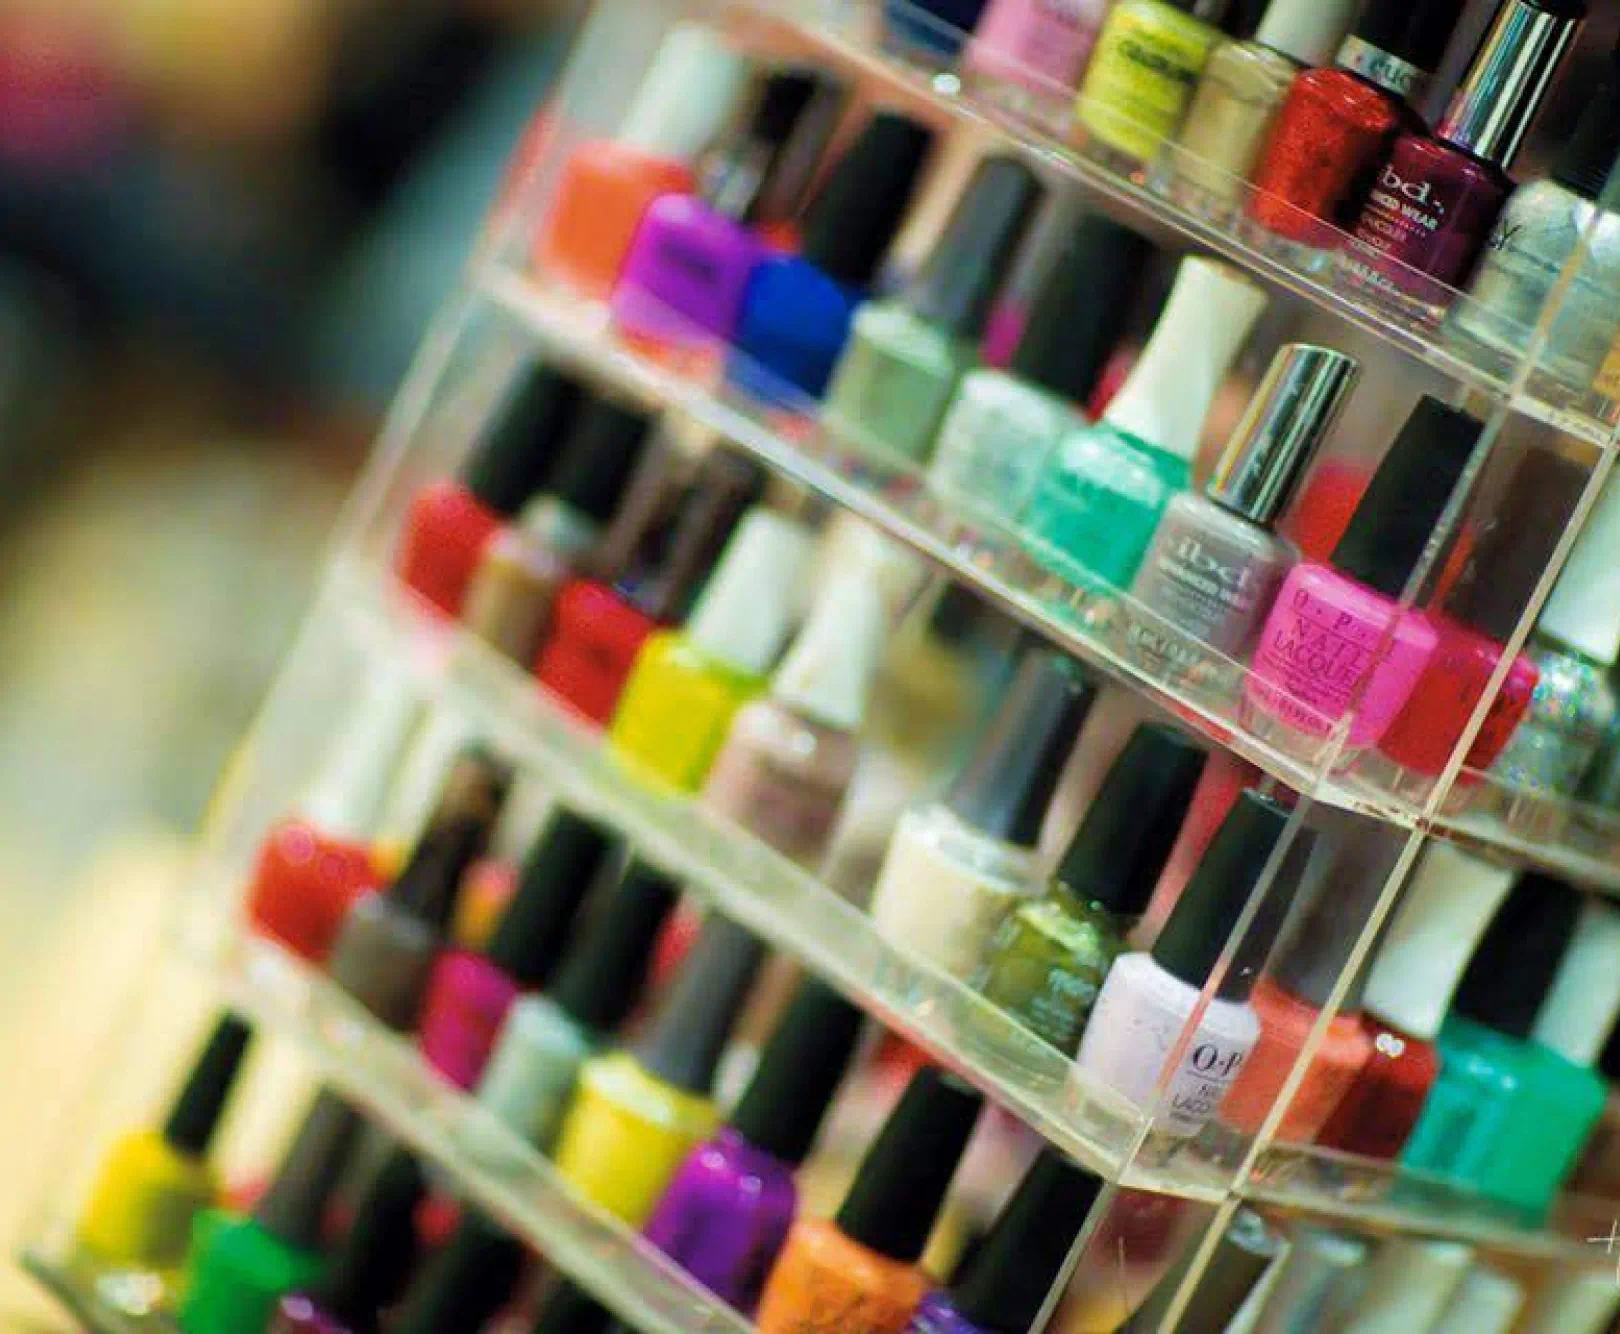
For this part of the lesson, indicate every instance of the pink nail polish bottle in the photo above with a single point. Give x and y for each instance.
(1336, 639)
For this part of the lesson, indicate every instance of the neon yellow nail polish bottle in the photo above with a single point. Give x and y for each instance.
(687, 685)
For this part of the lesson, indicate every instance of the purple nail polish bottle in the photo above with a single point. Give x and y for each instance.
(1002, 1288)
(728, 1210)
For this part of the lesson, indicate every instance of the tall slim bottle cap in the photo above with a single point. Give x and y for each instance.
(964, 272)
(378, 1253)
(1008, 784)
(293, 1209)
(1245, 1251)
(801, 1068)
(1518, 956)
(746, 611)
(1203, 327)
(689, 94)
(1579, 1302)
(902, 1181)
(1399, 42)
(348, 795)
(605, 446)
(1446, 906)
(1583, 1002)
(1408, 1284)
(762, 175)
(456, 837)
(1487, 1302)
(557, 876)
(1288, 417)
(601, 979)
(1080, 312)
(196, 1112)
(1397, 513)
(523, 439)
(1119, 851)
(683, 1045)
(827, 674)
(1007, 1281)
(860, 208)
(1583, 610)
(467, 1283)
(1586, 161)
(1309, 1290)
(1308, 31)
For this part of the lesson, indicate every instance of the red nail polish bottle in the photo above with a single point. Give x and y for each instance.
(1334, 123)
(1435, 198)
(450, 521)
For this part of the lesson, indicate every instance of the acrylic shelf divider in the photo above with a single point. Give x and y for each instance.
(76, 1291)
(579, 333)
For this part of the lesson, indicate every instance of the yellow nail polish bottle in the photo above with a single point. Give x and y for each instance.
(154, 1183)
(1143, 71)
(687, 685)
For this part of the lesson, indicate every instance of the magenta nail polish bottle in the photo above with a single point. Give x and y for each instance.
(683, 278)
(469, 994)
(728, 1210)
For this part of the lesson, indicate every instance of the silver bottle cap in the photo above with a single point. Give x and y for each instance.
(1290, 413)
(1498, 97)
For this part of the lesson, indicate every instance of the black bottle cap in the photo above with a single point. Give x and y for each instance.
(800, 1070)
(959, 282)
(293, 1209)
(1245, 1251)
(1120, 849)
(196, 1113)
(1077, 320)
(522, 441)
(1403, 502)
(604, 446)
(762, 175)
(555, 881)
(571, 1310)
(863, 203)
(683, 1045)
(956, 615)
(1003, 1289)
(1201, 923)
(1586, 161)
(1515, 962)
(1415, 32)
(370, 1268)
(455, 838)
(1008, 784)
(902, 1182)
(1609, 1058)
(467, 1283)
(601, 979)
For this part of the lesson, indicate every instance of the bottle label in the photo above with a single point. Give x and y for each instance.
(1379, 66)
(1142, 77)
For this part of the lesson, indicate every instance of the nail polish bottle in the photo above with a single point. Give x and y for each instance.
(956, 867)
(241, 1267)
(1105, 487)
(547, 1037)
(797, 309)
(509, 601)
(635, 1115)
(1444, 910)
(683, 278)
(1336, 639)
(1249, 1247)
(384, 954)
(467, 1283)
(857, 1272)
(932, 32)
(1243, 85)
(1334, 124)
(1407, 1285)
(682, 106)
(1027, 55)
(1437, 197)
(906, 356)
(1002, 1288)
(1485, 1302)
(1143, 73)
(646, 575)
(790, 755)
(369, 1269)
(687, 685)
(1048, 958)
(153, 1184)
(450, 522)
(727, 1212)
(469, 994)
(1540, 232)
(1149, 997)
(1214, 565)
(1004, 424)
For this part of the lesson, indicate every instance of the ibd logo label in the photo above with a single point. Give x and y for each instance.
(1417, 191)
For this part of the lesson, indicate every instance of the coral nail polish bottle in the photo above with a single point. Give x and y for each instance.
(727, 1212)
(857, 1272)
(1336, 638)
(682, 106)
(469, 994)
(450, 522)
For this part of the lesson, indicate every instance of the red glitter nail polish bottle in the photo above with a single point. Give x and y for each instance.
(1335, 123)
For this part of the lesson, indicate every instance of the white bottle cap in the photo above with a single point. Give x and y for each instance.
(1408, 1284)
(1448, 904)
(347, 796)
(1583, 1002)
(1582, 1302)
(752, 599)
(1164, 401)
(1584, 608)
(1307, 30)
(695, 82)
(827, 674)
(1486, 1303)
